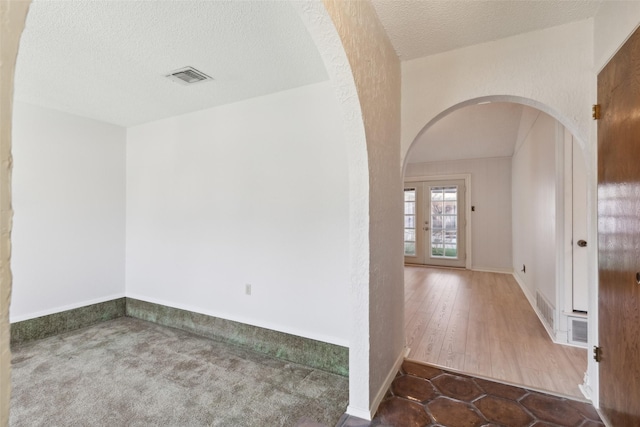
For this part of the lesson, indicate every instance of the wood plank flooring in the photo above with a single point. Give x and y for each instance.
(481, 323)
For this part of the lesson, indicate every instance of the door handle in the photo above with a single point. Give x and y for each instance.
(582, 243)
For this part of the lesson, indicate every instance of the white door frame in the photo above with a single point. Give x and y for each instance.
(467, 183)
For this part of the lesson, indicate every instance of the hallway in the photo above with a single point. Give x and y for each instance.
(482, 324)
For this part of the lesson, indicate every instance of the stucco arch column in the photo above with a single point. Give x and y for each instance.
(12, 19)
(365, 72)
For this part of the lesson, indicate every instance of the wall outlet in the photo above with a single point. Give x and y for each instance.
(247, 288)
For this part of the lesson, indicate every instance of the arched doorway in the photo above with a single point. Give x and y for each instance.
(320, 24)
(506, 217)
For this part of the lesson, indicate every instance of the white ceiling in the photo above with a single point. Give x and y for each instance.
(420, 28)
(107, 59)
(473, 132)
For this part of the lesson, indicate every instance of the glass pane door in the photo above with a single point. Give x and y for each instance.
(410, 222)
(434, 225)
(444, 222)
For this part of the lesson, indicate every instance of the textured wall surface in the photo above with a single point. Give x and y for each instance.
(376, 70)
(422, 28)
(551, 68)
(12, 17)
(327, 39)
(612, 25)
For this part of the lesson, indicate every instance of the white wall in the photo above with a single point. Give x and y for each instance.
(253, 192)
(491, 196)
(69, 202)
(550, 69)
(534, 208)
(613, 24)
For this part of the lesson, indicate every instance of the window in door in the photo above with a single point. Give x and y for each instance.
(410, 222)
(444, 222)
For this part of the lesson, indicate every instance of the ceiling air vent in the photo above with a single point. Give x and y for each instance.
(188, 76)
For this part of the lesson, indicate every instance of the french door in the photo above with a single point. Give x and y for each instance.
(434, 223)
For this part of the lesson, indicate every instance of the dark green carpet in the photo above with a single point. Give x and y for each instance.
(128, 372)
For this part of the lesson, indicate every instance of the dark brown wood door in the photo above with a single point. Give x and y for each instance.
(619, 235)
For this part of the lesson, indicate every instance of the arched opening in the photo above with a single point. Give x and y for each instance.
(355, 247)
(526, 178)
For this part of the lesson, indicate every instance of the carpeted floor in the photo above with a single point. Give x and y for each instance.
(128, 372)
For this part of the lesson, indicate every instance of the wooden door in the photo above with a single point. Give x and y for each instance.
(619, 235)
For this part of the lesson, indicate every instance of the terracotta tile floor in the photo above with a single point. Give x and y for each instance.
(424, 396)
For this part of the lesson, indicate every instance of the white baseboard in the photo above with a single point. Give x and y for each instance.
(585, 387)
(532, 303)
(385, 385)
(359, 413)
(604, 420)
(493, 270)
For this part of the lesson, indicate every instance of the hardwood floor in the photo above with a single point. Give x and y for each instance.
(481, 323)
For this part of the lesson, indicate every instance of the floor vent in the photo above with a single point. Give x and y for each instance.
(578, 331)
(545, 309)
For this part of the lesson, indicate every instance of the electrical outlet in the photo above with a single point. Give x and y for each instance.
(247, 288)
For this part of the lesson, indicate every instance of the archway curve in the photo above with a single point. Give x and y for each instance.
(590, 386)
(569, 125)
(13, 17)
(328, 42)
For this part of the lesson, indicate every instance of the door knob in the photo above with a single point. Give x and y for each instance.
(582, 243)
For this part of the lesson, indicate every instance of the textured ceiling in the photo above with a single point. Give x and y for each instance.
(477, 131)
(107, 59)
(419, 28)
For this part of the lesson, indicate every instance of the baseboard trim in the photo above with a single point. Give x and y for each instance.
(532, 303)
(387, 383)
(305, 351)
(363, 414)
(493, 270)
(66, 321)
(604, 419)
